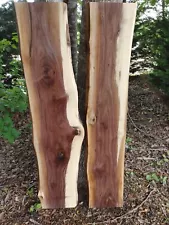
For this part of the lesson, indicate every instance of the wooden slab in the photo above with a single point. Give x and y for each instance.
(111, 32)
(57, 131)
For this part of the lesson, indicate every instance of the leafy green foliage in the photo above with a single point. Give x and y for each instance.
(7, 30)
(164, 160)
(157, 178)
(151, 42)
(128, 143)
(160, 73)
(30, 192)
(130, 173)
(14, 99)
(128, 140)
(34, 208)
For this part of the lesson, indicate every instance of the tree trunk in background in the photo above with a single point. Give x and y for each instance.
(82, 74)
(163, 9)
(82, 85)
(72, 18)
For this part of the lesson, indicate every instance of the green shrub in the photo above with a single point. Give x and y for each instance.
(13, 99)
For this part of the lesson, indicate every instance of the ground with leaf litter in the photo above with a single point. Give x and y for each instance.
(146, 194)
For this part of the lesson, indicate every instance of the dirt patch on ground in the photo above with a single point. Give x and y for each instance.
(146, 194)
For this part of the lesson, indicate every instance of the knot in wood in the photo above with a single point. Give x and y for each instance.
(48, 77)
(60, 156)
(77, 131)
(92, 120)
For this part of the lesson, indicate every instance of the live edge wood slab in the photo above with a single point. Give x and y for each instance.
(57, 131)
(111, 32)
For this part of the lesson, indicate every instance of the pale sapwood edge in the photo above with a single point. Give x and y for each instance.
(72, 115)
(123, 54)
(24, 25)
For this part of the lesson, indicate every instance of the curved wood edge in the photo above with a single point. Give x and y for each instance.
(124, 46)
(57, 130)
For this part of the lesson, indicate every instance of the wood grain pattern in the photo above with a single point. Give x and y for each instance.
(57, 131)
(111, 31)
